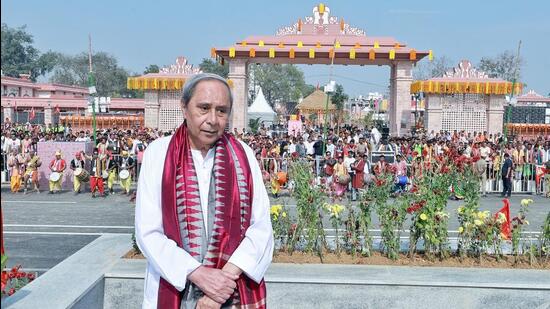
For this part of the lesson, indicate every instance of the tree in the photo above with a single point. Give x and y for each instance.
(152, 68)
(502, 66)
(338, 98)
(110, 78)
(283, 83)
(254, 125)
(436, 68)
(211, 66)
(20, 56)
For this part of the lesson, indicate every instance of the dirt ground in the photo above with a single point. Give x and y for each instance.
(378, 259)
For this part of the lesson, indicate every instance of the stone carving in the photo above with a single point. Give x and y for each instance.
(465, 70)
(180, 67)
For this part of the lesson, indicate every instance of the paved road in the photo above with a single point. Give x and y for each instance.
(41, 230)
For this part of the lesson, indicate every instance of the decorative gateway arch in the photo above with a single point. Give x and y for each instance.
(324, 39)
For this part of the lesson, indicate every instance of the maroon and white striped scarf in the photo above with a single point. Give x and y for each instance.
(182, 213)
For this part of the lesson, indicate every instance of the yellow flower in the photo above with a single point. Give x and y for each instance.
(284, 214)
(460, 209)
(501, 218)
(423, 217)
(276, 209)
(482, 215)
(526, 202)
(478, 222)
(460, 230)
(336, 209)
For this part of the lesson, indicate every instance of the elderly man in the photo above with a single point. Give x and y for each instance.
(202, 213)
(57, 165)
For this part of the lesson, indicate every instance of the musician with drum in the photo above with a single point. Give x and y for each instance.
(97, 173)
(80, 174)
(57, 167)
(112, 170)
(126, 165)
(31, 173)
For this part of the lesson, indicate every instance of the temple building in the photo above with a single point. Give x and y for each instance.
(464, 99)
(46, 103)
(163, 93)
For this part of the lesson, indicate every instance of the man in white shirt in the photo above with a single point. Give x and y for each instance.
(484, 151)
(203, 232)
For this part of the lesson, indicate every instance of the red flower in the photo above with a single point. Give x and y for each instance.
(416, 206)
(445, 169)
(30, 276)
(11, 292)
(379, 182)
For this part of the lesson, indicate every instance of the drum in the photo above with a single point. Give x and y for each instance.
(344, 179)
(82, 174)
(105, 174)
(124, 174)
(281, 177)
(402, 180)
(55, 176)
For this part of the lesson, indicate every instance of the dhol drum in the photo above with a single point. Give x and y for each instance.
(105, 174)
(82, 174)
(55, 176)
(344, 179)
(124, 174)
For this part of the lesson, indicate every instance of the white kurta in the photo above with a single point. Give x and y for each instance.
(164, 258)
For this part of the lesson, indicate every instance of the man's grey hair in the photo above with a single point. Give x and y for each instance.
(191, 84)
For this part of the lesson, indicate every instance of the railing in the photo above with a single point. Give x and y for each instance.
(524, 180)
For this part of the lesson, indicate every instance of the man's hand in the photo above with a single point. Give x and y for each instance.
(217, 284)
(206, 302)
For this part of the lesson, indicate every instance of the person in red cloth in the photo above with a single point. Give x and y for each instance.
(359, 176)
(202, 210)
(97, 173)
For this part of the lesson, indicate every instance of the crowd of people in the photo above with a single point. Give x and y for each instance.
(115, 158)
(346, 161)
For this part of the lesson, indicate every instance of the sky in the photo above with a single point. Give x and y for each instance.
(140, 33)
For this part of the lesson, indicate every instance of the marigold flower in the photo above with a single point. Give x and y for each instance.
(478, 222)
(284, 214)
(526, 202)
(423, 217)
(460, 230)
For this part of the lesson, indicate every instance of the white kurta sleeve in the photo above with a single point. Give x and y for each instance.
(254, 254)
(170, 261)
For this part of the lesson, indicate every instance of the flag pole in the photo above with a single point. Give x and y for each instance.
(325, 134)
(509, 110)
(91, 85)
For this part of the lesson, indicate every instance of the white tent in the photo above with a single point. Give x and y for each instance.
(261, 109)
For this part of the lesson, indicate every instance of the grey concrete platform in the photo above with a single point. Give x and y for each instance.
(369, 286)
(96, 277)
(77, 282)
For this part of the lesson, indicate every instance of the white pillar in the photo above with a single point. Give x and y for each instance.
(495, 114)
(152, 108)
(238, 70)
(9, 113)
(433, 114)
(400, 97)
(48, 116)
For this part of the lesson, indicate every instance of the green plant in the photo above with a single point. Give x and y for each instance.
(518, 224)
(309, 199)
(365, 224)
(280, 220)
(544, 239)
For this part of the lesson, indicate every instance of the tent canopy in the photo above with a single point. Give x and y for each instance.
(315, 102)
(261, 109)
